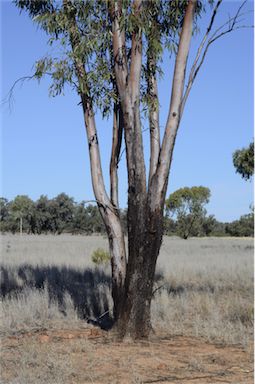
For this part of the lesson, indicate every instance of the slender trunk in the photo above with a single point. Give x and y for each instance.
(116, 147)
(108, 206)
(21, 225)
(160, 178)
(152, 92)
(118, 259)
(114, 229)
(108, 211)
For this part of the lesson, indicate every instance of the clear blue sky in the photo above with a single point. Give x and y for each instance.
(44, 148)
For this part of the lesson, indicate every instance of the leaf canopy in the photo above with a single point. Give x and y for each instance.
(160, 22)
(188, 200)
(243, 160)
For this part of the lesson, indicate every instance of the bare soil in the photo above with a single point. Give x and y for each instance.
(90, 355)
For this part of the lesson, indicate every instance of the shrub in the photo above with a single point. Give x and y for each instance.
(242, 227)
(100, 256)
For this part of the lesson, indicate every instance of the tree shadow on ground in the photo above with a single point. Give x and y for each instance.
(89, 288)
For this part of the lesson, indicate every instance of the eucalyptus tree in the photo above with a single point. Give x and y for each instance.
(188, 205)
(243, 160)
(22, 210)
(111, 55)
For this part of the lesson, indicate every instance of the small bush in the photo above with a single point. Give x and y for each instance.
(100, 256)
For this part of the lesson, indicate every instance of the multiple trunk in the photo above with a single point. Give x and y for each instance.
(132, 280)
(145, 204)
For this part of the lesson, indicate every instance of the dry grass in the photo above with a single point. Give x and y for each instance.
(205, 285)
(32, 310)
(225, 318)
(46, 363)
(50, 288)
(69, 357)
(50, 250)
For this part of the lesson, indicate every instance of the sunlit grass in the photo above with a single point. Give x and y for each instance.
(203, 287)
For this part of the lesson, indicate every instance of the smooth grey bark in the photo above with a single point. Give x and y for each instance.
(145, 207)
(132, 286)
(159, 181)
(107, 206)
(132, 281)
(152, 90)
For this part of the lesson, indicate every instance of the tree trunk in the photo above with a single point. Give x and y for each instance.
(20, 225)
(108, 206)
(118, 258)
(135, 318)
(132, 283)
(145, 206)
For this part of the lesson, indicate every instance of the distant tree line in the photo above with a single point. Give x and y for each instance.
(57, 215)
(185, 216)
(209, 226)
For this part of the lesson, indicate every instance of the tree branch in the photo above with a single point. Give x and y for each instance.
(203, 47)
(128, 86)
(134, 139)
(159, 181)
(119, 49)
(152, 88)
(9, 97)
(115, 156)
(95, 160)
(136, 57)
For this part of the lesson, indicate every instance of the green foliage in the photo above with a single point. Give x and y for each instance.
(35, 7)
(93, 222)
(62, 214)
(243, 160)
(219, 229)
(160, 22)
(57, 215)
(61, 211)
(4, 209)
(22, 208)
(169, 226)
(187, 200)
(21, 205)
(243, 227)
(4, 214)
(187, 205)
(209, 225)
(43, 215)
(100, 256)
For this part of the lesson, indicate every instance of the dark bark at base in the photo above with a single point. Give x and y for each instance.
(135, 311)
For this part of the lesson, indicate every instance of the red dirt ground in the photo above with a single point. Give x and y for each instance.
(97, 358)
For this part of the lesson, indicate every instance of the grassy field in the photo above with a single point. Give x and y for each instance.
(205, 285)
(203, 288)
